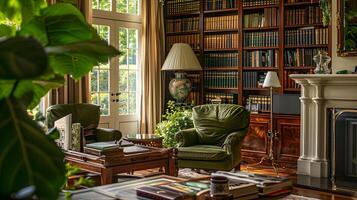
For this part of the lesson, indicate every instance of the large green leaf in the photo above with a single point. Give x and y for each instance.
(20, 11)
(6, 30)
(21, 58)
(27, 156)
(38, 87)
(35, 28)
(79, 58)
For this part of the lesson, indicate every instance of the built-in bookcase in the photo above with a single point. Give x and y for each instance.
(238, 41)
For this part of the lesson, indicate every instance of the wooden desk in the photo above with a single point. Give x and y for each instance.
(106, 167)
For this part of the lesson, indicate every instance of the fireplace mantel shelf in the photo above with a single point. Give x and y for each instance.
(320, 92)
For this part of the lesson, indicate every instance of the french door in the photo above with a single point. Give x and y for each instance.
(115, 85)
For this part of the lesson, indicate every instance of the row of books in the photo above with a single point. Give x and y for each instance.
(220, 4)
(253, 79)
(259, 39)
(308, 15)
(221, 22)
(268, 18)
(184, 24)
(193, 40)
(300, 57)
(221, 41)
(261, 58)
(223, 98)
(218, 79)
(290, 83)
(259, 2)
(309, 36)
(258, 103)
(218, 60)
(194, 96)
(300, 1)
(182, 6)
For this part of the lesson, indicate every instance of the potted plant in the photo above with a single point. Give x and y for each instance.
(175, 119)
(39, 45)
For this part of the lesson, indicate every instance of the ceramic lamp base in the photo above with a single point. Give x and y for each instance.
(180, 87)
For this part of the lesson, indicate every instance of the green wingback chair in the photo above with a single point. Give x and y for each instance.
(85, 114)
(216, 139)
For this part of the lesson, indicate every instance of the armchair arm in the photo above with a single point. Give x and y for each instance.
(233, 144)
(186, 137)
(106, 134)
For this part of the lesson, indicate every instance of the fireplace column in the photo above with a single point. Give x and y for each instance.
(319, 163)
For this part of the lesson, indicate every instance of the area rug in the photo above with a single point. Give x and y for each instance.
(297, 197)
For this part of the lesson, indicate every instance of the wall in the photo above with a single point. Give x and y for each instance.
(339, 63)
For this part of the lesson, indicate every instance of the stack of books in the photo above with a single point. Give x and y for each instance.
(195, 190)
(267, 185)
(107, 149)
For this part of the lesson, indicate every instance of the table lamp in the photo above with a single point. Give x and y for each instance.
(180, 59)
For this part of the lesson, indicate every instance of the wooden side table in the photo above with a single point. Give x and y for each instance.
(149, 140)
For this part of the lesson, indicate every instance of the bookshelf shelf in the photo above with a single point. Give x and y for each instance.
(292, 89)
(260, 7)
(304, 25)
(299, 68)
(218, 50)
(220, 31)
(307, 46)
(256, 89)
(260, 28)
(221, 11)
(230, 90)
(182, 33)
(260, 48)
(259, 68)
(308, 3)
(221, 69)
(180, 15)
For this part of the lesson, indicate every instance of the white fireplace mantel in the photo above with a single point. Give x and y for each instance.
(319, 93)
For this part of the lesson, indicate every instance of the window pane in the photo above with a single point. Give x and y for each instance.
(128, 6)
(123, 38)
(102, 5)
(123, 103)
(132, 81)
(104, 103)
(133, 35)
(132, 58)
(94, 98)
(104, 80)
(102, 31)
(123, 80)
(123, 59)
(132, 103)
(94, 80)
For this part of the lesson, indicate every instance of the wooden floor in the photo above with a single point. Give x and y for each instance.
(309, 193)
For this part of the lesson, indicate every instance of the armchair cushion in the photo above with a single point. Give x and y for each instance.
(214, 122)
(186, 137)
(202, 152)
(105, 134)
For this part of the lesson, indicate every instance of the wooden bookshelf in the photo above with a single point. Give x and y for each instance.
(285, 57)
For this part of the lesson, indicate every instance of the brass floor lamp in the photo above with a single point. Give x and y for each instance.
(271, 81)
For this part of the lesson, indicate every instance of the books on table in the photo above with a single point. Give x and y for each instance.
(266, 184)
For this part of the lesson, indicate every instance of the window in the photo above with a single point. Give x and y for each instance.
(115, 85)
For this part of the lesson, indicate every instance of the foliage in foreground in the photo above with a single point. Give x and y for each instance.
(39, 45)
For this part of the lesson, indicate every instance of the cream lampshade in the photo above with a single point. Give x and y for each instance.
(181, 58)
(271, 80)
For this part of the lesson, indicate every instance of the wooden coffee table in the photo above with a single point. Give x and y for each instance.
(106, 167)
(150, 140)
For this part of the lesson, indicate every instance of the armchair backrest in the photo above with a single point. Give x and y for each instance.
(214, 122)
(85, 114)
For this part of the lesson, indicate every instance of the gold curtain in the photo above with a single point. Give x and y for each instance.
(153, 56)
(73, 91)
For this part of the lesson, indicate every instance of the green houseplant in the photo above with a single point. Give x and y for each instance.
(175, 119)
(39, 45)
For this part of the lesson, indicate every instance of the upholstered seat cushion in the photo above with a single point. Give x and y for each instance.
(202, 152)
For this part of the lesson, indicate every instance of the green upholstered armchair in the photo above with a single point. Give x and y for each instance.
(85, 114)
(216, 139)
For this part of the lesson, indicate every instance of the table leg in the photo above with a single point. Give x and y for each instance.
(106, 176)
(171, 169)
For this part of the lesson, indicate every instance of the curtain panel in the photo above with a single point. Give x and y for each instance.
(153, 57)
(73, 91)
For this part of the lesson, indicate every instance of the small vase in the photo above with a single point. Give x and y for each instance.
(322, 60)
